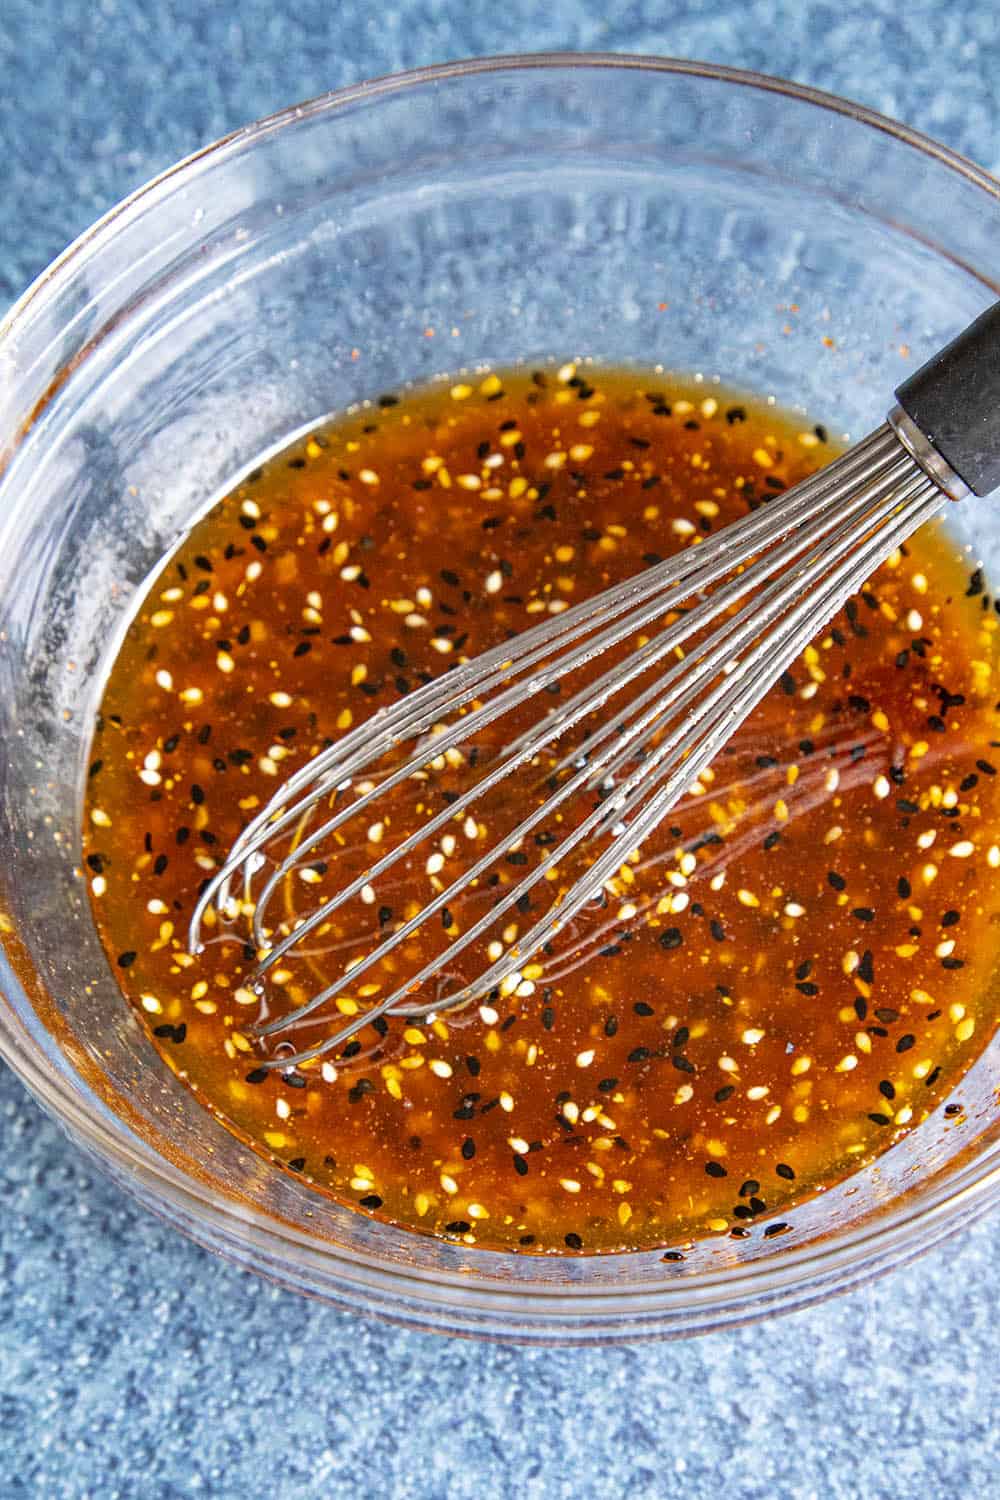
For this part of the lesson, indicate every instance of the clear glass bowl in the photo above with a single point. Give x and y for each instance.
(633, 209)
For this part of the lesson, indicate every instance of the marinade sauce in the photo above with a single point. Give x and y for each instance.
(791, 974)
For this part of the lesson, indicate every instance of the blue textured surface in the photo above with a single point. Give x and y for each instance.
(132, 1364)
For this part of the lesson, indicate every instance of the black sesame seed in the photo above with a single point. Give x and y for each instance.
(574, 1241)
(171, 1033)
(906, 1042)
(715, 1169)
(785, 1171)
(671, 938)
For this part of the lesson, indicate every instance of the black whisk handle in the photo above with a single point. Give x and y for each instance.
(954, 399)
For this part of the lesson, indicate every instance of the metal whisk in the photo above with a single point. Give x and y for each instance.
(713, 629)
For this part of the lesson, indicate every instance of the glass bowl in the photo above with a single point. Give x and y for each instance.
(628, 208)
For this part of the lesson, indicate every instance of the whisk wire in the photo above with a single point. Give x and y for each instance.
(770, 578)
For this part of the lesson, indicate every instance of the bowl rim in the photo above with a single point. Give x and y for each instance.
(391, 83)
(960, 1186)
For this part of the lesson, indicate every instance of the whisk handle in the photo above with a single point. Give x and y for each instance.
(954, 399)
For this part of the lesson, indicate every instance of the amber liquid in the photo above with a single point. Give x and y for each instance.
(789, 976)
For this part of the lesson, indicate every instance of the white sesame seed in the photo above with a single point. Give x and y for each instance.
(584, 1059)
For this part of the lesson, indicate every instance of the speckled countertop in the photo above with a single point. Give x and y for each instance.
(133, 1364)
